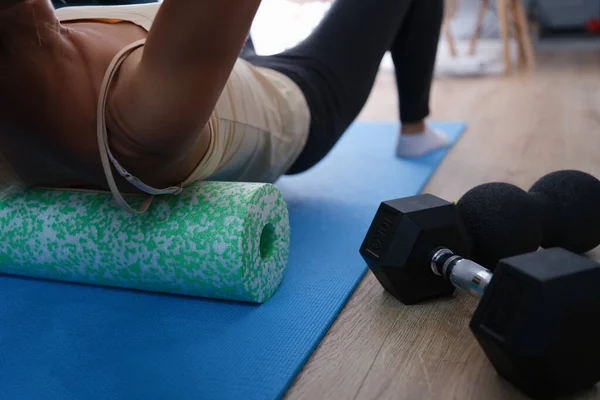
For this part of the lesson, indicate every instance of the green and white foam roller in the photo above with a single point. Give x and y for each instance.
(216, 240)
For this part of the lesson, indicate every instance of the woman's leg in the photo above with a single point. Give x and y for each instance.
(414, 54)
(336, 66)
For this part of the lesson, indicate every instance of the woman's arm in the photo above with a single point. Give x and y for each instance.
(169, 95)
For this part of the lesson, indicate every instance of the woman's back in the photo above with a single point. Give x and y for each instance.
(49, 83)
(49, 120)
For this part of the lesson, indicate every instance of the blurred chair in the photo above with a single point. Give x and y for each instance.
(508, 11)
(449, 12)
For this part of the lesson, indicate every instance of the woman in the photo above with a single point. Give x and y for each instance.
(149, 98)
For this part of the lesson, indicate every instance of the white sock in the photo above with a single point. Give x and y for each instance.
(418, 144)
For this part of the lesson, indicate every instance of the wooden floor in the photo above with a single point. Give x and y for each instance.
(519, 128)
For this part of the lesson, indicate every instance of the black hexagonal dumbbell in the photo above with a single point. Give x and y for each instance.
(538, 319)
(490, 222)
(399, 245)
(538, 314)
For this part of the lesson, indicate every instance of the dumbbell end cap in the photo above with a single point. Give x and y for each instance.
(538, 322)
(398, 245)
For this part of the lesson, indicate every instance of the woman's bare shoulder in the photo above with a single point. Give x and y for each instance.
(49, 101)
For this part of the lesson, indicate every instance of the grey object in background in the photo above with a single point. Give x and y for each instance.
(565, 14)
(549, 14)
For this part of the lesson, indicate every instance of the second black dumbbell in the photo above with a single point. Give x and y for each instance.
(537, 318)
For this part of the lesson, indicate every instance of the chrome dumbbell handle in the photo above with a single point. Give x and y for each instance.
(462, 273)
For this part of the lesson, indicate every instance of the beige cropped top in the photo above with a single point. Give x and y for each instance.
(257, 129)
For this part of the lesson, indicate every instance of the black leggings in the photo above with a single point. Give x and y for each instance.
(336, 66)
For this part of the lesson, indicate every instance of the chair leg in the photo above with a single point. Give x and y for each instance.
(524, 35)
(449, 11)
(517, 29)
(450, 40)
(503, 22)
(478, 26)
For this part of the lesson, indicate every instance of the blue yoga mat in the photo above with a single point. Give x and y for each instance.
(62, 341)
